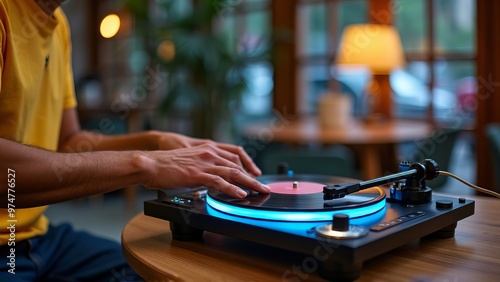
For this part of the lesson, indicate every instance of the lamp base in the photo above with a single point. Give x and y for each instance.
(374, 118)
(380, 108)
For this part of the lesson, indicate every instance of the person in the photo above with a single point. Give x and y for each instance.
(42, 162)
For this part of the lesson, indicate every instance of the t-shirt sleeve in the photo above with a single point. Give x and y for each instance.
(3, 17)
(69, 86)
(69, 96)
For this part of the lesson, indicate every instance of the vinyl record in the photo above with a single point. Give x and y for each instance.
(300, 193)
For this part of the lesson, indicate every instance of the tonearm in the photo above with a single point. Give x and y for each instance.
(409, 185)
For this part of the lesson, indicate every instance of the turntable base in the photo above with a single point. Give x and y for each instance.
(469, 256)
(390, 224)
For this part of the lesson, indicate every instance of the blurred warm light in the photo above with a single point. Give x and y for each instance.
(376, 46)
(110, 26)
(166, 50)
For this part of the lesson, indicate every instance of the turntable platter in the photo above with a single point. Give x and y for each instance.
(295, 187)
(298, 198)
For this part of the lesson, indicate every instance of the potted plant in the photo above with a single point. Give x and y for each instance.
(205, 75)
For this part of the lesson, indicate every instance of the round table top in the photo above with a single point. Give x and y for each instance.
(148, 247)
(472, 255)
(355, 132)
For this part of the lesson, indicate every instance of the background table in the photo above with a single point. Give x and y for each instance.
(472, 255)
(374, 142)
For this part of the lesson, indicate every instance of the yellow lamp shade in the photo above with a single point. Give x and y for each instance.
(376, 46)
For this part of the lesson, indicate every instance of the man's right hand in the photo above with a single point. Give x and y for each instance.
(204, 165)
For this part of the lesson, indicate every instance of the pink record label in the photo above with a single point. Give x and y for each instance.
(296, 187)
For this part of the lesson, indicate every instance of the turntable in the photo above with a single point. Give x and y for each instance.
(336, 222)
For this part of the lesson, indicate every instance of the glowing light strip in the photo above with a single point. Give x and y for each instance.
(293, 215)
(295, 227)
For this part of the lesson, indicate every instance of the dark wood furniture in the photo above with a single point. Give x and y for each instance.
(373, 142)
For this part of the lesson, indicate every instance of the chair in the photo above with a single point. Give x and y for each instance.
(439, 148)
(332, 161)
(493, 136)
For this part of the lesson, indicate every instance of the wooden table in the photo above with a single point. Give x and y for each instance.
(370, 141)
(472, 255)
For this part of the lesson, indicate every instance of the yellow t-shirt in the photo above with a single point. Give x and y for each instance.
(36, 85)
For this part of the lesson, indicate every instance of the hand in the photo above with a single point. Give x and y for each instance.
(210, 164)
(169, 141)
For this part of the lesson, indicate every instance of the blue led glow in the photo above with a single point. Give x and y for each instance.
(294, 227)
(293, 215)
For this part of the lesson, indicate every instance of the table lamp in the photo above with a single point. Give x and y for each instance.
(379, 48)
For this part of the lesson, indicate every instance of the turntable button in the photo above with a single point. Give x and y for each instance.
(443, 204)
(340, 222)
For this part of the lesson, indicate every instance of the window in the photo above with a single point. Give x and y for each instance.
(247, 25)
(319, 27)
(438, 37)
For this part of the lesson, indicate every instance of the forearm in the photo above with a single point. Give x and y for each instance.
(43, 177)
(93, 141)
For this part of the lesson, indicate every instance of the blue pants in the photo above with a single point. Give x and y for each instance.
(64, 254)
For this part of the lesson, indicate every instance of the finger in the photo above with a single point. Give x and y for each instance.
(236, 176)
(219, 183)
(198, 142)
(227, 159)
(245, 159)
(228, 155)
